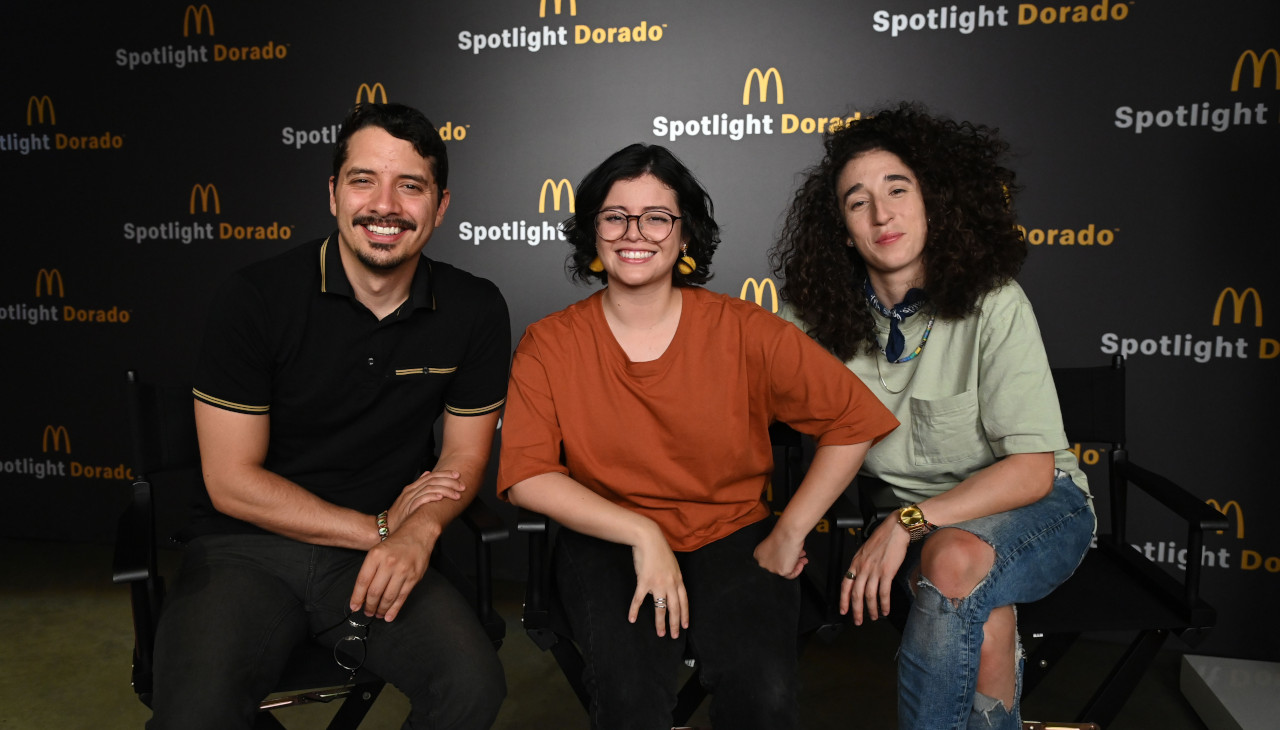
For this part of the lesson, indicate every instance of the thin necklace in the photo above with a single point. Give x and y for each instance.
(916, 353)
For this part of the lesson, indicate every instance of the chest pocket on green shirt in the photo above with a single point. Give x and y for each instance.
(948, 430)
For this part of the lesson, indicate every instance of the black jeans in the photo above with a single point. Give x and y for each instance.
(743, 623)
(241, 603)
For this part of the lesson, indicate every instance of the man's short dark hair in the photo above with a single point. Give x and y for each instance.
(401, 122)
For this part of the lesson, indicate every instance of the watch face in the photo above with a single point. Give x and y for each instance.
(911, 516)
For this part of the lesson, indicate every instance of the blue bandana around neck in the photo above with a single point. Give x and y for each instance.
(909, 305)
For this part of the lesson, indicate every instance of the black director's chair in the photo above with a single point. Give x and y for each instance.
(166, 483)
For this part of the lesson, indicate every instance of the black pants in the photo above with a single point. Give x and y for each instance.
(742, 630)
(243, 602)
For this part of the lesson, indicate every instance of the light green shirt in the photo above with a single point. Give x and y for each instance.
(979, 391)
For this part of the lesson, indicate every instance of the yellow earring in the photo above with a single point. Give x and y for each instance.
(596, 265)
(687, 265)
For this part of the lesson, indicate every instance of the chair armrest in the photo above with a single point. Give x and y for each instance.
(536, 616)
(134, 563)
(484, 521)
(871, 511)
(1199, 516)
(134, 558)
(488, 528)
(844, 514)
(531, 522)
(538, 585)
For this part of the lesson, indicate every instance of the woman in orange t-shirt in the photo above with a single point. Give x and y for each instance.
(638, 419)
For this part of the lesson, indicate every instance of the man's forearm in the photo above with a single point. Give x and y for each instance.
(465, 451)
(233, 449)
(430, 519)
(274, 503)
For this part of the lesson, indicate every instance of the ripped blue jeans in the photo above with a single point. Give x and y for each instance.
(1037, 547)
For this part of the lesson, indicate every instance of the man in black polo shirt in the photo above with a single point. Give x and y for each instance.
(322, 374)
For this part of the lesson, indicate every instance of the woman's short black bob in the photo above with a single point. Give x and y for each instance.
(701, 234)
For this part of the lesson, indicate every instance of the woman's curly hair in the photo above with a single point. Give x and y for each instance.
(697, 219)
(972, 245)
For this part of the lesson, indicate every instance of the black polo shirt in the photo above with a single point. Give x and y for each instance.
(352, 400)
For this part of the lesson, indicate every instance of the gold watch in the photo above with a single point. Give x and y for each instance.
(913, 521)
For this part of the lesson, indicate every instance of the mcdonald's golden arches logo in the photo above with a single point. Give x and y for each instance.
(376, 94)
(197, 16)
(762, 79)
(757, 289)
(556, 188)
(49, 277)
(1225, 509)
(206, 193)
(57, 437)
(1237, 302)
(36, 106)
(542, 7)
(1259, 65)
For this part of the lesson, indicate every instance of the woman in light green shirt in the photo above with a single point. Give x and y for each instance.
(898, 254)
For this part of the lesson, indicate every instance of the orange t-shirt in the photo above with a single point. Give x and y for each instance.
(684, 439)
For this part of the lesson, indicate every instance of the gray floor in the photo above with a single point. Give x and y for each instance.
(64, 663)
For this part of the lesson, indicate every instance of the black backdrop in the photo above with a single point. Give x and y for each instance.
(150, 148)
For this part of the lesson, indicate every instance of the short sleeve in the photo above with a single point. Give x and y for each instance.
(531, 435)
(481, 383)
(1019, 405)
(234, 369)
(816, 394)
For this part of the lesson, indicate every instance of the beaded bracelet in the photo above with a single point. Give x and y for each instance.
(383, 530)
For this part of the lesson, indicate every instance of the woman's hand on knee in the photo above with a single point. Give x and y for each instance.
(658, 579)
(869, 581)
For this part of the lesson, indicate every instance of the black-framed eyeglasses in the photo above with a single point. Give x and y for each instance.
(350, 648)
(654, 226)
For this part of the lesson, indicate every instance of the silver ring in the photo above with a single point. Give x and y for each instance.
(849, 574)
(659, 602)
